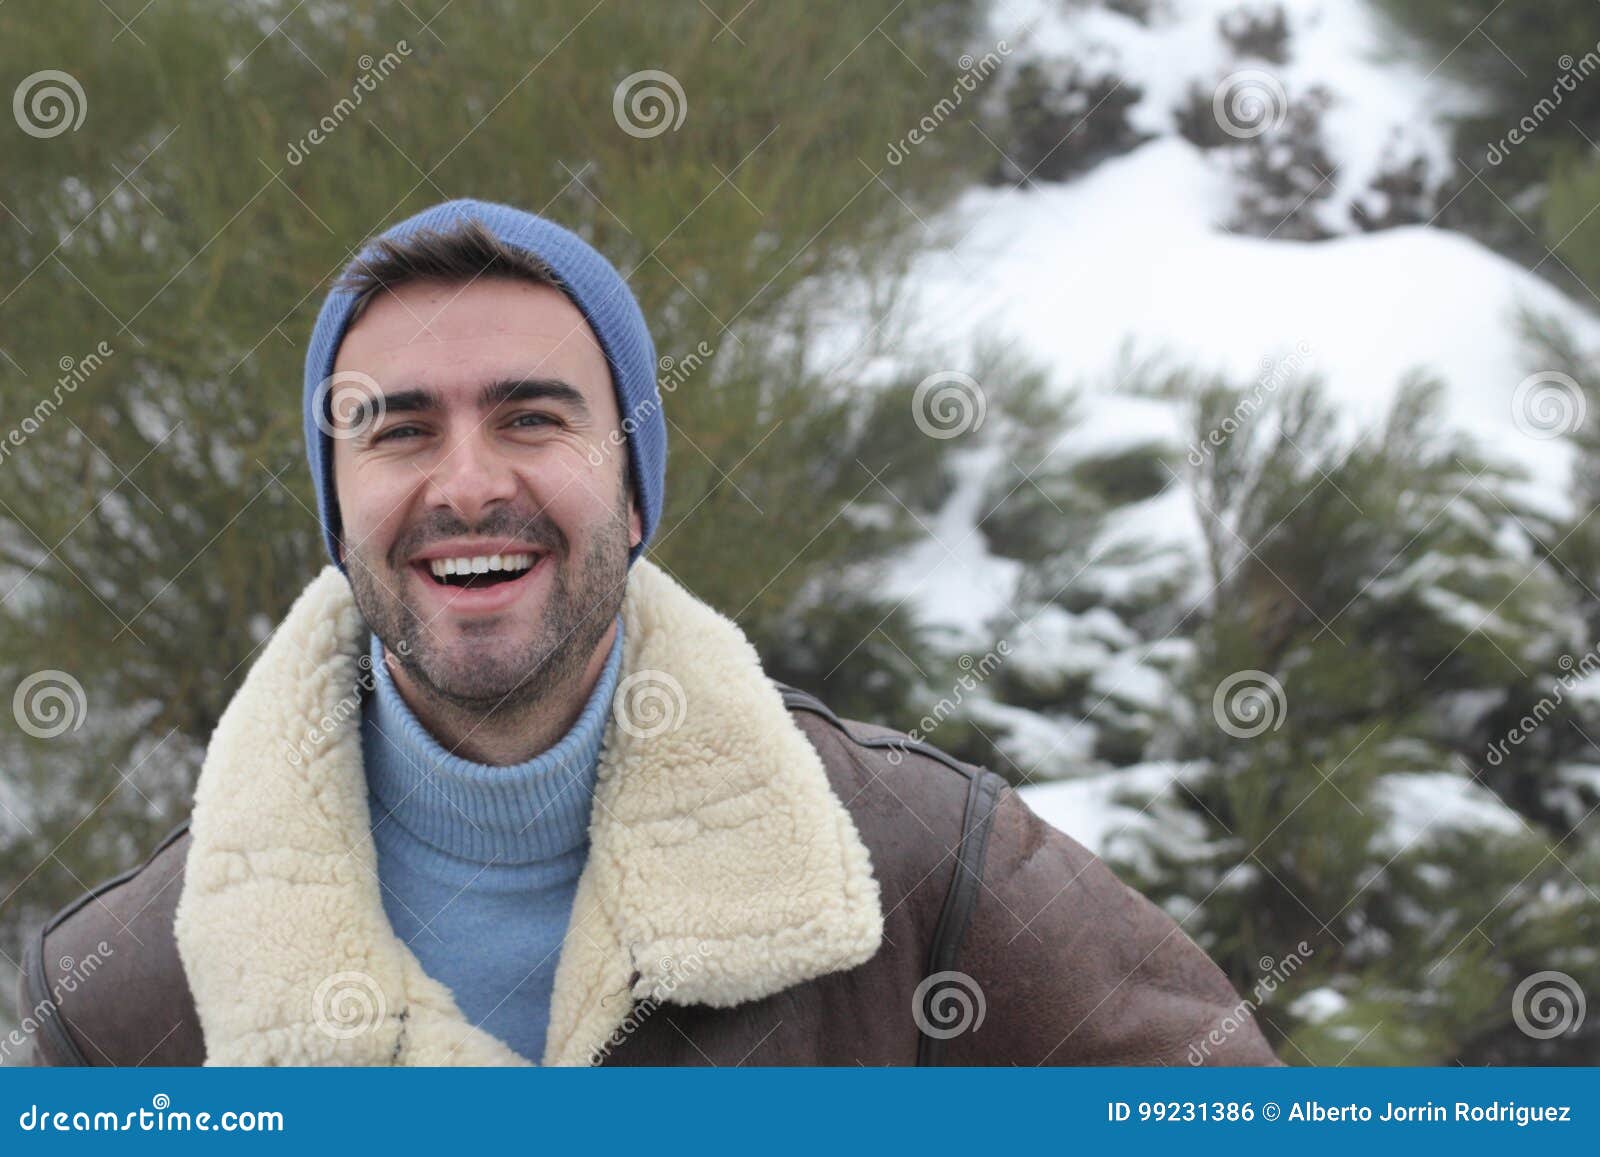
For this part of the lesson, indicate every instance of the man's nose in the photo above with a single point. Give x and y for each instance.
(470, 477)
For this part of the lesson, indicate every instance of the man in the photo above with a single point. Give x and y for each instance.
(499, 790)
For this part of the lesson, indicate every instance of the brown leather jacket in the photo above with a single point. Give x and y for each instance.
(1004, 942)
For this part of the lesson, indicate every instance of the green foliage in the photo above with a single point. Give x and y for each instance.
(1287, 173)
(1058, 119)
(1526, 174)
(1568, 223)
(1376, 592)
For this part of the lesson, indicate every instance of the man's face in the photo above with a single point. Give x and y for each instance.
(441, 472)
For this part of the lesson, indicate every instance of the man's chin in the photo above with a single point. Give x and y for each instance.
(473, 676)
(476, 683)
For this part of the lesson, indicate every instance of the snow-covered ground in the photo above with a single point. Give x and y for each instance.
(1132, 251)
(1385, 97)
(1136, 255)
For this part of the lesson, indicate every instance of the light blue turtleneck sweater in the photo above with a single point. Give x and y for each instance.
(478, 864)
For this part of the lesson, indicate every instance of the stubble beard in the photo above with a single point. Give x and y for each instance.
(474, 676)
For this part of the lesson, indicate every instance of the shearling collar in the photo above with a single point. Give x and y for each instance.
(722, 867)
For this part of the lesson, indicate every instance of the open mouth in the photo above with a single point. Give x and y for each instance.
(479, 571)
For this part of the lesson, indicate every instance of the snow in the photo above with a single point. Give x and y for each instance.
(1119, 423)
(1383, 98)
(1059, 642)
(950, 576)
(1424, 578)
(1424, 804)
(1133, 251)
(1112, 813)
(1126, 678)
(1318, 1005)
(1036, 746)
(1131, 265)
(1134, 256)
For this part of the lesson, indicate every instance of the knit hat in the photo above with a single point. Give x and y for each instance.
(592, 284)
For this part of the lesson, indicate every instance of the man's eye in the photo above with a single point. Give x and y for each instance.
(533, 419)
(392, 432)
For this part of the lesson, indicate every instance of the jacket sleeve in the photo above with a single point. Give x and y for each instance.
(1075, 968)
(20, 1049)
(27, 1043)
(102, 982)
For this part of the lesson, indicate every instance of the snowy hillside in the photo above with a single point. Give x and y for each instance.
(1140, 254)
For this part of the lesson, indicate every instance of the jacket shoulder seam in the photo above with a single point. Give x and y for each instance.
(35, 982)
(985, 790)
(796, 700)
(36, 992)
(116, 881)
(944, 954)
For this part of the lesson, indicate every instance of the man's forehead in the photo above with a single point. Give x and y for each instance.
(507, 345)
(538, 341)
(440, 312)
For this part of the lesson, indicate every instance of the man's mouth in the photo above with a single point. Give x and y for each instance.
(473, 571)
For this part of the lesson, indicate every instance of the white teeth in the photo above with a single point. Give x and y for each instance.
(479, 564)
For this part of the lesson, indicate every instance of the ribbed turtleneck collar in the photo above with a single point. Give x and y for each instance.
(529, 812)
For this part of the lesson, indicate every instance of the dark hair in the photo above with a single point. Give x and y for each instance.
(463, 253)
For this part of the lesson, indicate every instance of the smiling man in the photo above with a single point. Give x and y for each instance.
(500, 790)
(481, 523)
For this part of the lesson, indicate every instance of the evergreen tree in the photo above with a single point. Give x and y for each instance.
(1377, 598)
(1529, 174)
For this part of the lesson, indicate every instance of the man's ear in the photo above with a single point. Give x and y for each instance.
(635, 524)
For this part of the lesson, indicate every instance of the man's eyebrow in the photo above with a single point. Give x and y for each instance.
(420, 400)
(413, 401)
(530, 390)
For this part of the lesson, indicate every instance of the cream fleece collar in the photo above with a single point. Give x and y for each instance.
(722, 867)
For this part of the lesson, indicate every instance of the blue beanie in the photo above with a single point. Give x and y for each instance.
(593, 285)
